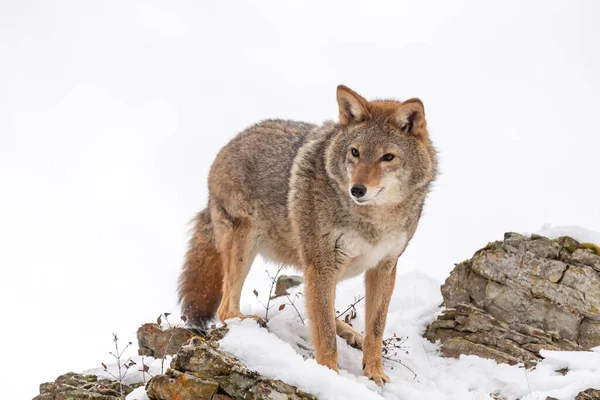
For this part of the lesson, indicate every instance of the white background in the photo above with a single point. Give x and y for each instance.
(111, 113)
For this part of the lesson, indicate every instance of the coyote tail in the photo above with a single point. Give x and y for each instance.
(201, 280)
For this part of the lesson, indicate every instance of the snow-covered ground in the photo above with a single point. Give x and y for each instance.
(285, 351)
(112, 111)
(414, 304)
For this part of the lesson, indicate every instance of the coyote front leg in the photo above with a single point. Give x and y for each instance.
(379, 284)
(320, 298)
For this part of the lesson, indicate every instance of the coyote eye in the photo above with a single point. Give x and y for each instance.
(355, 153)
(387, 157)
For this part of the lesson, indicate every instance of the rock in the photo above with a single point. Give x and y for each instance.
(589, 394)
(518, 296)
(153, 341)
(497, 396)
(175, 384)
(589, 334)
(72, 386)
(285, 282)
(200, 370)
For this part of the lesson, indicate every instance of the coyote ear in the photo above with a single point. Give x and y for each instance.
(410, 117)
(353, 107)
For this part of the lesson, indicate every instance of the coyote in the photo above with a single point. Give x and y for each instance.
(334, 201)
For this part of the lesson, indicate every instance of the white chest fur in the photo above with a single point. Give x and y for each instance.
(364, 255)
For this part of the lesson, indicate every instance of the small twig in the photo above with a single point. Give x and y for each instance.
(164, 356)
(167, 319)
(260, 302)
(273, 282)
(293, 305)
(394, 344)
(128, 364)
(401, 363)
(350, 307)
(117, 355)
(116, 339)
(111, 374)
(143, 370)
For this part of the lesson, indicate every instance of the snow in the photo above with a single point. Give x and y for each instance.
(138, 394)
(576, 232)
(111, 113)
(284, 353)
(134, 374)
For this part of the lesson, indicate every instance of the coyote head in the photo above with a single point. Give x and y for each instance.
(382, 153)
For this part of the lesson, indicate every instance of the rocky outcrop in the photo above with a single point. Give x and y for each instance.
(72, 386)
(589, 394)
(155, 341)
(518, 296)
(201, 371)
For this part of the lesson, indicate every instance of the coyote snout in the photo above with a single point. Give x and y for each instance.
(335, 201)
(358, 190)
(365, 175)
(362, 195)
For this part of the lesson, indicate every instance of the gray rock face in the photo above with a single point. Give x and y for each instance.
(589, 394)
(156, 342)
(72, 386)
(285, 282)
(520, 295)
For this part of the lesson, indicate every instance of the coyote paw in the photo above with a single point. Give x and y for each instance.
(376, 374)
(349, 334)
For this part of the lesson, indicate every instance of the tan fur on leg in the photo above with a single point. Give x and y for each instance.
(320, 299)
(379, 283)
(237, 248)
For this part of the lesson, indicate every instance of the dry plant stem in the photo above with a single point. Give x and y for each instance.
(293, 305)
(394, 344)
(273, 283)
(143, 371)
(162, 362)
(117, 356)
(350, 307)
(401, 363)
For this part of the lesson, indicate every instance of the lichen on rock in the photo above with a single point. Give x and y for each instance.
(73, 386)
(518, 296)
(201, 370)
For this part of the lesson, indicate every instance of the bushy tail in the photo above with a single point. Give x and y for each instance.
(201, 280)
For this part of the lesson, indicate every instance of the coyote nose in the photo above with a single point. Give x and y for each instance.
(358, 190)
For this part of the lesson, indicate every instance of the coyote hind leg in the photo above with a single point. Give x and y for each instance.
(237, 246)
